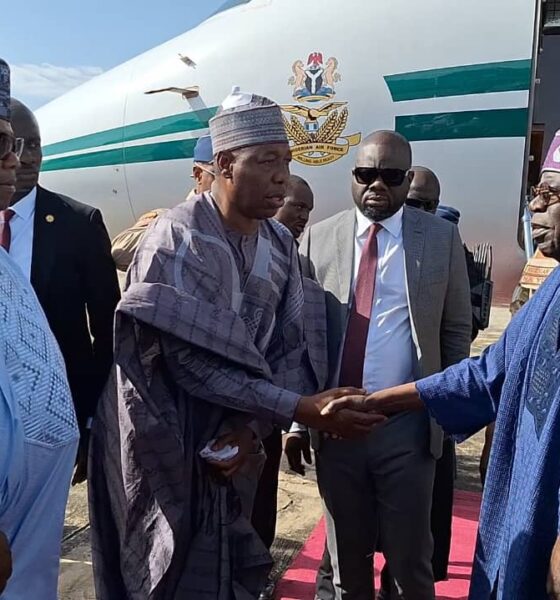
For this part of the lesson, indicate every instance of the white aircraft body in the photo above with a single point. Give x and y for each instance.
(454, 77)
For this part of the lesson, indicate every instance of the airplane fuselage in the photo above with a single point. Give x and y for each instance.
(453, 77)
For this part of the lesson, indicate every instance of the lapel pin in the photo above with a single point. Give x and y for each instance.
(49, 219)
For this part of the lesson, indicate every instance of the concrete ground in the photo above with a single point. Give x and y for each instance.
(299, 506)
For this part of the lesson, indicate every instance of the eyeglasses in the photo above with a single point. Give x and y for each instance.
(368, 175)
(203, 168)
(549, 194)
(9, 143)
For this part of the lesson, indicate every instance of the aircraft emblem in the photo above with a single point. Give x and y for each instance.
(315, 132)
(314, 81)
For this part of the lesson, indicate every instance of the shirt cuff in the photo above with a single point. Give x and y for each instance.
(89, 423)
(297, 428)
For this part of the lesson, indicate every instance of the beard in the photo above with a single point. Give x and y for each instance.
(376, 214)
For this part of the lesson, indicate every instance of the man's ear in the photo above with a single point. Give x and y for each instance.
(410, 176)
(224, 164)
(196, 172)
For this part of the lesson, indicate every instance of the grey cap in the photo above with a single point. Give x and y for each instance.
(246, 120)
(4, 90)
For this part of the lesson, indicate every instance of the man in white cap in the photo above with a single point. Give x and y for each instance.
(209, 350)
(38, 428)
(544, 261)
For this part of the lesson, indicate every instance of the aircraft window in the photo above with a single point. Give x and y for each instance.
(552, 16)
(230, 4)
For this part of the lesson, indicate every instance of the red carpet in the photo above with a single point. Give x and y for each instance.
(298, 582)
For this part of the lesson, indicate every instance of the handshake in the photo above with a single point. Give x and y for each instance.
(351, 413)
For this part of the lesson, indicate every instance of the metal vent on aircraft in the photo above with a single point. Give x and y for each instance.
(186, 93)
(188, 61)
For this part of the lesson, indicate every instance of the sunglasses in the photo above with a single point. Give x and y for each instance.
(421, 204)
(390, 177)
(549, 194)
(9, 143)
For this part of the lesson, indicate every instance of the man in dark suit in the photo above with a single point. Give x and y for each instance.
(62, 246)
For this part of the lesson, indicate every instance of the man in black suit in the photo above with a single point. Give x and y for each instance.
(63, 247)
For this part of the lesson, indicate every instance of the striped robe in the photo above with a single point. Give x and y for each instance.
(206, 340)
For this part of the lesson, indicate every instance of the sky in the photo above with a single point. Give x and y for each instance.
(54, 46)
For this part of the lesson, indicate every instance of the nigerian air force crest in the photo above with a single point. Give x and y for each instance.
(316, 130)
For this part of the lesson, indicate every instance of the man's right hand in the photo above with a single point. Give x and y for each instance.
(344, 422)
(5, 562)
(297, 448)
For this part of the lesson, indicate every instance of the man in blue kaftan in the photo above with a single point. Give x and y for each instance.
(38, 439)
(38, 429)
(516, 382)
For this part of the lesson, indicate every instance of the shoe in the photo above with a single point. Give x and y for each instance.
(268, 592)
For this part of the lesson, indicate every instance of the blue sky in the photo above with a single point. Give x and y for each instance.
(54, 46)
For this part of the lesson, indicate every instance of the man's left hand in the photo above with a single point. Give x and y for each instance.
(553, 583)
(80, 472)
(297, 447)
(244, 440)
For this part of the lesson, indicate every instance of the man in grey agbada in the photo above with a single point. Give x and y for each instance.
(210, 348)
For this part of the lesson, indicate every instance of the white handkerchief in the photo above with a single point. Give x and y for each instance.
(226, 453)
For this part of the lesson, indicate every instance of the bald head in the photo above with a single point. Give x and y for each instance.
(381, 176)
(424, 190)
(20, 110)
(298, 204)
(25, 126)
(388, 141)
(295, 182)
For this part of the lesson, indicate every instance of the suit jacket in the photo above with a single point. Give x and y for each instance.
(437, 287)
(75, 279)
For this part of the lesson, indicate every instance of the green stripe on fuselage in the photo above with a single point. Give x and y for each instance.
(177, 149)
(486, 78)
(191, 121)
(498, 123)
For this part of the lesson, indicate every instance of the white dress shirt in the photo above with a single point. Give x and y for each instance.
(388, 360)
(21, 227)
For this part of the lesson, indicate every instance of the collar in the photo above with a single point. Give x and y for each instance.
(393, 224)
(25, 208)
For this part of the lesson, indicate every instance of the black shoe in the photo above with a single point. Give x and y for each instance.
(268, 592)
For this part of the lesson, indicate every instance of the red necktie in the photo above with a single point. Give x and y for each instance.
(353, 355)
(5, 231)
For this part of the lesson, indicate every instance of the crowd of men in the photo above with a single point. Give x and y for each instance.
(240, 332)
